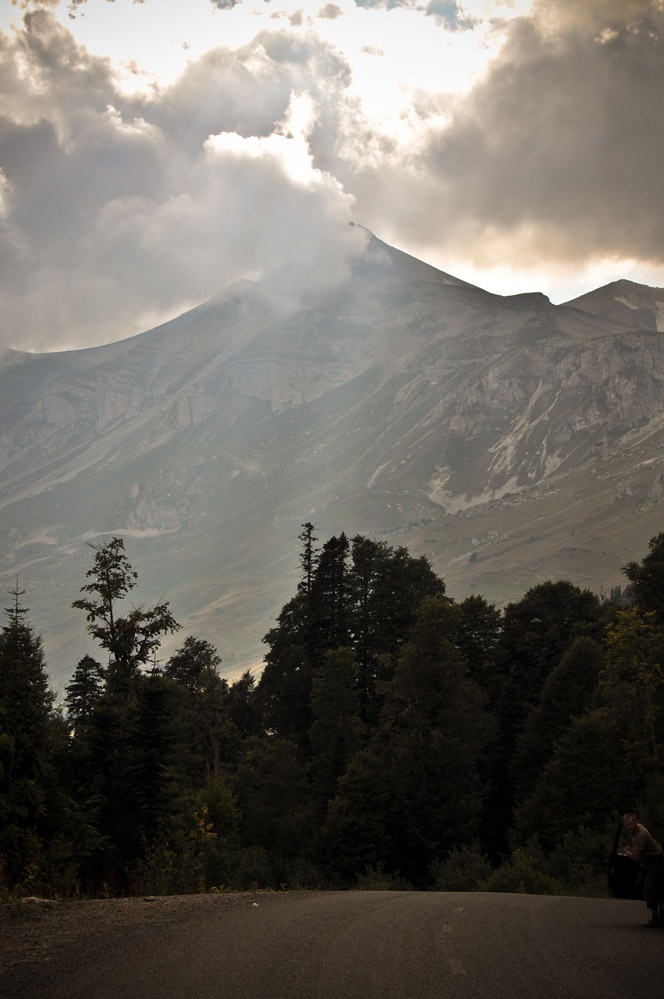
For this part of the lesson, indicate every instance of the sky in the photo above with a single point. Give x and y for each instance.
(153, 152)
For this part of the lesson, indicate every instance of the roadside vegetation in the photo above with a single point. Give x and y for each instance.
(396, 738)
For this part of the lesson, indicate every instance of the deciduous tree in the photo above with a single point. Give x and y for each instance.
(131, 637)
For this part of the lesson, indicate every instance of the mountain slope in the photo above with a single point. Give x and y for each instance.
(626, 303)
(508, 439)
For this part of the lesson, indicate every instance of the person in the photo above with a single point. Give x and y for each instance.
(649, 854)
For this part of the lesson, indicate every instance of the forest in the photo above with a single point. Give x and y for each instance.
(396, 738)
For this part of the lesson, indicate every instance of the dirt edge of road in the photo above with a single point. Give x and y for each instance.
(34, 930)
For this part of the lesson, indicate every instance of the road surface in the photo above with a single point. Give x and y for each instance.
(346, 945)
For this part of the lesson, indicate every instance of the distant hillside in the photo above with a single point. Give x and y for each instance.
(508, 439)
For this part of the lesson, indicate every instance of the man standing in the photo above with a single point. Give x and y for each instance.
(647, 851)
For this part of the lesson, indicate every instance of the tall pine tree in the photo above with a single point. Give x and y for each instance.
(27, 729)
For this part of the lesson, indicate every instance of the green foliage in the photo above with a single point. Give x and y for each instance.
(132, 638)
(647, 578)
(466, 868)
(206, 727)
(536, 632)
(271, 788)
(196, 852)
(364, 597)
(415, 791)
(29, 735)
(586, 779)
(632, 682)
(523, 873)
(85, 690)
(336, 728)
(356, 835)
(168, 868)
(477, 637)
(650, 804)
(566, 694)
(396, 738)
(579, 861)
(373, 879)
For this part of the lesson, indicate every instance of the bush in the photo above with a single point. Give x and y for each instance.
(522, 874)
(374, 879)
(465, 869)
(580, 862)
(164, 870)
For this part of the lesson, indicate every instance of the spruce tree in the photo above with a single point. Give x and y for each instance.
(566, 695)
(387, 587)
(536, 632)
(27, 732)
(414, 792)
(336, 728)
(209, 735)
(84, 690)
(308, 557)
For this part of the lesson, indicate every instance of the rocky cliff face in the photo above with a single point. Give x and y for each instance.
(509, 440)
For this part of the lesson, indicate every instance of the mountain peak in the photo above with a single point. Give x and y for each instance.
(625, 302)
(508, 440)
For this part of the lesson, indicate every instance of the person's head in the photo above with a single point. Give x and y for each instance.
(630, 822)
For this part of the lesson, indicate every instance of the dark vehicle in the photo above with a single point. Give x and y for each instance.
(623, 872)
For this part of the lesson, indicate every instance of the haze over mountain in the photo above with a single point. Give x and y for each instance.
(510, 440)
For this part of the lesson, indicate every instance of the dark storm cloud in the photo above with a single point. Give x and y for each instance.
(556, 154)
(119, 210)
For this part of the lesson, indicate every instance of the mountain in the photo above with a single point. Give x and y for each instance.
(510, 440)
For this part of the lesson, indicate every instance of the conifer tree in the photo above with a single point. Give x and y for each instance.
(329, 608)
(536, 631)
(477, 636)
(272, 794)
(155, 790)
(586, 781)
(422, 762)
(242, 706)
(566, 695)
(209, 735)
(336, 727)
(387, 588)
(308, 557)
(84, 690)
(283, 692)
(27, 730)
(647, 578)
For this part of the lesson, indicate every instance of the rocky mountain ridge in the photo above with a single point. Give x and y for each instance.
(508, 439)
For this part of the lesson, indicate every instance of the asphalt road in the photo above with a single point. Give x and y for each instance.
(362, 945)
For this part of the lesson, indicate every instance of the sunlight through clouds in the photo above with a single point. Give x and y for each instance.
(153, 152)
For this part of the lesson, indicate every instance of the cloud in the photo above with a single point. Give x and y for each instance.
(74, 5)
(119, 211)
(554, 156)
(386, 4)
(451, 15)
(330, 11)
